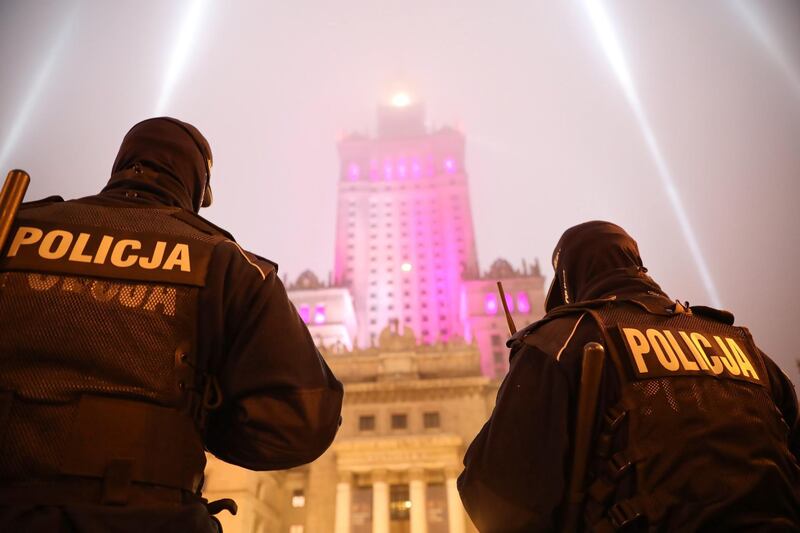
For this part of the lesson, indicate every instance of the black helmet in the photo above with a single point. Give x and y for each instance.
(173, 147)
(596, 259)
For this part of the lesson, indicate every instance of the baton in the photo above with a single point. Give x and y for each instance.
(591, 371)
(511, 327)
(10, 198)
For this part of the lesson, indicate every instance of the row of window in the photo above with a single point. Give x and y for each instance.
(318, 317)
(430, 420)
(399, 169)
(490, 303)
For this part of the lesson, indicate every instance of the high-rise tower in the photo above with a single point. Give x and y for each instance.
(404, 232)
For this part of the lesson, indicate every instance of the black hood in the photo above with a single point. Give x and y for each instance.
(595, 260)
(164, 160)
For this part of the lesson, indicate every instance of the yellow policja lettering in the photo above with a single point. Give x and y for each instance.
(155, 261)
(744, 361)
(24, 235)
(46, 250)
(638, 345)
(77, 251)
(700, 343)
(687, 365)
(699, 356)
(120, 248)
(727, 359)
(179, 257)
(102, 250)
(663, 350)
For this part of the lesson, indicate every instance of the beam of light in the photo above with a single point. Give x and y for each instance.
(755, 23)
(180, 52)
(613, 51)
(34, 91)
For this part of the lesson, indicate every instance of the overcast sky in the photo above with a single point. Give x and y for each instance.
(552, 137)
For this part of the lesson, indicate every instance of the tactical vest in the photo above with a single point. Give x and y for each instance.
(98, 309)
(702, 435)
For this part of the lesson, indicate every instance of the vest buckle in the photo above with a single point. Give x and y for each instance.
(624, 514)
(618, 465)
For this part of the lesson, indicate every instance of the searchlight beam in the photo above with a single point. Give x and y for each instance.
(612, 48)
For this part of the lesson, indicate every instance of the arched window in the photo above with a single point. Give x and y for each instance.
(319, 314)
(523, 304)
(490, 304)
(305, 313)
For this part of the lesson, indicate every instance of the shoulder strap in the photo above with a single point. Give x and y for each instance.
(611, 347)
(200, 223)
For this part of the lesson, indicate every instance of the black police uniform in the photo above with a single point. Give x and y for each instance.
(696, 428)
(134, 335)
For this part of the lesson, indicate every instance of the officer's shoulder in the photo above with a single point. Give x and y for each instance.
(201, 224)
(263, 265)
(553, 332)
(717, 315)
(41, 203)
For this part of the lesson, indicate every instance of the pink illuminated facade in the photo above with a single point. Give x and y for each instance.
(404, 232)
(405, 247)
(486, 321)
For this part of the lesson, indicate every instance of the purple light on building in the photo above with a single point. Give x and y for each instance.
(305, 313)
(416, 169)
(523, 304)
(412, 252)
(319, 314)
(490, 304)
(449, 165)
(354, 171)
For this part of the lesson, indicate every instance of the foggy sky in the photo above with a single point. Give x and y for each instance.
(551, 140)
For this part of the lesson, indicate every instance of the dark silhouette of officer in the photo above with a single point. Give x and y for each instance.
(135, 335)
(696, 429)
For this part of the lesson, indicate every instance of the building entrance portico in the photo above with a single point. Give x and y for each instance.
(399, 485)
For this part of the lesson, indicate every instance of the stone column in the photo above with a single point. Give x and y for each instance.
(380, 502)
(343, 503)
(455, 511)
(416, 489)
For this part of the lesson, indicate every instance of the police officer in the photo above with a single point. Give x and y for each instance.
(133, 335)
(696, 429)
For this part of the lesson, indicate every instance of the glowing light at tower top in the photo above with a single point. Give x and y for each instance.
(401, 99)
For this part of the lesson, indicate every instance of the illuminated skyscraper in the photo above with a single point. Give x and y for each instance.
(405, 260)
(404, 233)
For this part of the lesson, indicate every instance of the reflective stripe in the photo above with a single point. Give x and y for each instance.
(241, 251)
(558, 355)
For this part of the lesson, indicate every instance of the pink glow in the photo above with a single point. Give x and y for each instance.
(490, 304)
(305, 313)
(449, 165)
(319, 314)
(354, 171)
(415, 169)
(416, 274)
(523, 305)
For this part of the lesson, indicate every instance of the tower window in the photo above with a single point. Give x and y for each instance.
(431, 420)
(399, 421)
(366, 423)
(298, 498)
